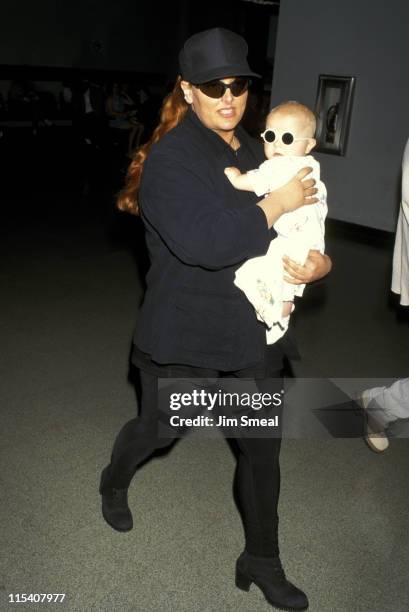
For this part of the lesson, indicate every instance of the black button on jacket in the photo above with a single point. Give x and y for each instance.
(199, 230)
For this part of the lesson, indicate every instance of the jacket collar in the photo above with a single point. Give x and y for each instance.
(219, 145)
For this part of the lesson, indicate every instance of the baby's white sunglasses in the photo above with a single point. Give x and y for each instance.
(287, 138)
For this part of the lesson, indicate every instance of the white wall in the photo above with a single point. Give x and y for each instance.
(368, 39)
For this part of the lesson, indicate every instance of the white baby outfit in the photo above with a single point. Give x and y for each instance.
(261, 278)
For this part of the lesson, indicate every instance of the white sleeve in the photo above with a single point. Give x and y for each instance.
(272, 174)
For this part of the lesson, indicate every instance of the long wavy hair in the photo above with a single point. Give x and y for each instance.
(173, 110)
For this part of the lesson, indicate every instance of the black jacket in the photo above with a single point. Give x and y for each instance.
(199, 230)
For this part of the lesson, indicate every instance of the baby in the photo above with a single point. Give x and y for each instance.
(288, 139)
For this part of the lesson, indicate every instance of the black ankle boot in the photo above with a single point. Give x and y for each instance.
(115, 509)
(267, 573)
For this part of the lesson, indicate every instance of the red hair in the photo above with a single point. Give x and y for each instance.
(173, 110)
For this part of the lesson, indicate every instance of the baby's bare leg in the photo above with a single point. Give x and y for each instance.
(287, 308)
(238, 180)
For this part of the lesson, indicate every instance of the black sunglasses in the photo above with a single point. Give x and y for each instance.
(287, 138)
(217, 89)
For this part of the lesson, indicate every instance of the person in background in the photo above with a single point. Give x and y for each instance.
(400, 271)
(383, 405)
(122, 113)
(23, 103)
(65, 99)
(88, 103)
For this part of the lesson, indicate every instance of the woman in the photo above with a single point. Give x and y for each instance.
(194, 322)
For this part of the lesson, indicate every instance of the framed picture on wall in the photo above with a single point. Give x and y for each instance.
(333, 109)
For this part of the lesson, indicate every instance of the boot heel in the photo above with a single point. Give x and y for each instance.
(242, 581)
(102, 481)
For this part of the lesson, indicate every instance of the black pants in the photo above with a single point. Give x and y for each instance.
(256, 480)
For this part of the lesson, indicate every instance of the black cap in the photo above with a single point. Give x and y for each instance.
(214, 54)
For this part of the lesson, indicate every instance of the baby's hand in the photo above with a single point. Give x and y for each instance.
(239, 180)
(232, 172)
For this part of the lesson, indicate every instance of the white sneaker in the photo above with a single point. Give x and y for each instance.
(376, 438)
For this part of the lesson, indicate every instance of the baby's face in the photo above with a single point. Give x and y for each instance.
(287, 125)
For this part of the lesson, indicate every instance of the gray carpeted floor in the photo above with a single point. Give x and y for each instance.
(69, 307)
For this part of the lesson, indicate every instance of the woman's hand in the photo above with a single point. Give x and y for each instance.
(289, 197)
(316, 266)
(297, 191)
